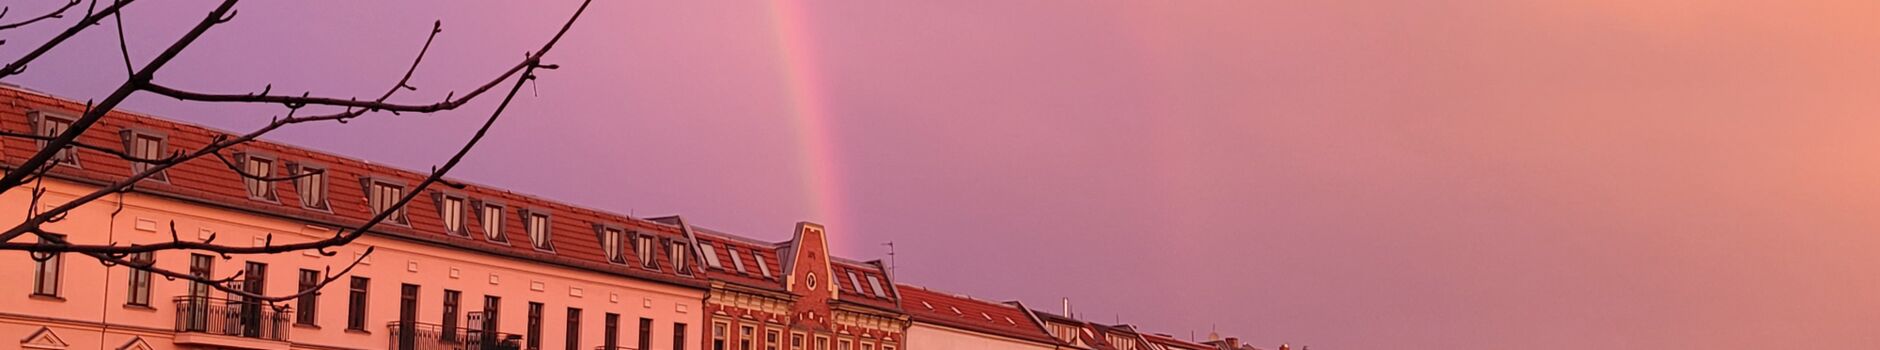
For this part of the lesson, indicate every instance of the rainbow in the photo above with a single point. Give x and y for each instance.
(803, 90)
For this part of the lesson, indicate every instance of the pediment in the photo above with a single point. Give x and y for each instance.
(43, 339)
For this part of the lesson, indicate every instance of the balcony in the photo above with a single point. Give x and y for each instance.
(230, 323)
(425, 336)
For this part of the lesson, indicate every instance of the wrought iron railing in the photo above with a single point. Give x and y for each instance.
(232, 318)
(425, 336)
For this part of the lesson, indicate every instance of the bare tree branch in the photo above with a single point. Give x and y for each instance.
(19, 65)
(59, 13)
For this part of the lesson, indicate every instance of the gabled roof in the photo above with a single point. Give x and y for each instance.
(1005, 320)
(210, 182)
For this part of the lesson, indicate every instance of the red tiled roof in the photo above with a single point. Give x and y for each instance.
(1175, 343)
(926, 305)
(575, 242)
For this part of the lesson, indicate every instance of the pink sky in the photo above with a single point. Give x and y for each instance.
(1347, 175)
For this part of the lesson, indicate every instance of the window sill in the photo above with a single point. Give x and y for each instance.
(47, 297)
(307, 326)
(144, 308)
(358, 331)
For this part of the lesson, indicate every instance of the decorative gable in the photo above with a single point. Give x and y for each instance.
(136, 343)
(43, 339)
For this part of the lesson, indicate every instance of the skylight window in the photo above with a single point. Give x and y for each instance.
(762, 264)
(879, 292)
(857, 283)
(736, 261)
(711, 255)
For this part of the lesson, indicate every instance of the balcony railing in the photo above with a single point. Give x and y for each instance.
(231, 318)
(425, 336)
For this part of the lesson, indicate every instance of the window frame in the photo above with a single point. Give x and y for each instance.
(762, 264)
(710, 254)
(644, 249)
(68, 156)
(573, 338)
(131, 136)
(308, 305)
(243, 161)
(48, 273)
(615, 235)
(676, 251)
(325, 176)
(736, 261)
(138, 292)
(484, 208)
(880, 292)
(372, 184)
(359, 289)
(443, 212)
(534, 326)
(546, 243)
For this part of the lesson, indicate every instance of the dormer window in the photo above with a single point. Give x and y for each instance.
(51, 126)
(310, 183)
(613, 241)
(643, 246)
(711, 255)
(383, 196)
(144, 149)
(875, 282)
(538, 229)
(492, 216)
(677, 252)
(762, 266)
(255, 171)
(736, 261)
(451, 210)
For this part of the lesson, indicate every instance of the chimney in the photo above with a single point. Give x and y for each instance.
(1233, 342)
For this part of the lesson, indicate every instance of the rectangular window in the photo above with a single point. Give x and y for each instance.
(139, 294)
(646, 333)
(50, 126)
(48, 269)
(746, 335)
(762, 266)
(822, 342)
(310, 184)
(308, 305)
(796, 341)
(200, 265)
(492, 216)
(492, 307)
(719, 332)
(879, 292)
(644, 247)
(736, 261)
(611, 339)
(407, 303)
(711, 255)
(770, 338)
(844, 344)
(574, 329)
(356, 304)
(677, 252)
(611, 241)
(535, 326)
(678, 336)
(451, 210)
(868, 346)
(887, 347)
(857, 283)
(538, 230)
(384, 196)
(144, 149)
(451, 309)
(256, 170)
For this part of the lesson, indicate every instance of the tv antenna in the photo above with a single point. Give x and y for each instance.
(890, 245)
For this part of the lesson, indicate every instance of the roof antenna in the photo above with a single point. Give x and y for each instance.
(890, 245)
